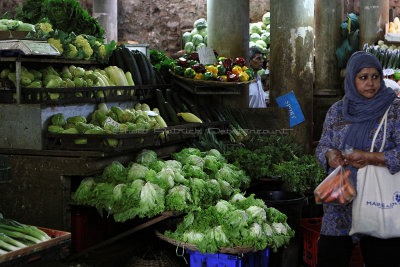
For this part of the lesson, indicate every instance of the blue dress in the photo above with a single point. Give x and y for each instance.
(337, 218)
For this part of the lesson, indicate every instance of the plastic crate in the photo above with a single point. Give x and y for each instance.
(310, 228)
(253, 259)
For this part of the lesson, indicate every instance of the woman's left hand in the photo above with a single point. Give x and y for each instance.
(357, 158)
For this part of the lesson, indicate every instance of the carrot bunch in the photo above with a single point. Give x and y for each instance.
(336, 188)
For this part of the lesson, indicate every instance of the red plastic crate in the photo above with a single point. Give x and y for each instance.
(310, 228)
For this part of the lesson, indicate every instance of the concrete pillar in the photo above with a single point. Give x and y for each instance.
(228, 27)
(228, 33)
(328, 17)
(106, 12)
(292, 57)
(374, 14)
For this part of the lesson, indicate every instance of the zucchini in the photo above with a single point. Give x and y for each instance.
(161, 103)
(119, 59)
(152, 72)
(171, 112)
(131, 65)
(143, 67)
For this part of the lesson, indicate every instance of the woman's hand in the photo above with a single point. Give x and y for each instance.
(360, 159)
(335, 158)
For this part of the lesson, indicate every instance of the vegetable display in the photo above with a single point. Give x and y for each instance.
(69, 77)
(15, 25)
(108, 121)
(240, 221)
(15, 235)
(260, 34)
(197, 37)
(225, 70)
(192, 180)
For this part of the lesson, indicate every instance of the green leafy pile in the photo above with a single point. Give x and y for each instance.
(193, 180)
(262, 152)
(65, 15)
(302, 174)
(240, 221)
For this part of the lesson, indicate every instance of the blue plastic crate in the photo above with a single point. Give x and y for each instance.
(253, 259)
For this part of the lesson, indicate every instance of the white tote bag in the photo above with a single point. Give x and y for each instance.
(376, 208)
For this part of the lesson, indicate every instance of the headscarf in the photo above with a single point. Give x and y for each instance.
(363, 112)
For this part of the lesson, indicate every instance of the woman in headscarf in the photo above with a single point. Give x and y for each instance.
(350, 125)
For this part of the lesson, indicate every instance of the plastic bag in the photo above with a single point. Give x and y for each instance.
(336, 188)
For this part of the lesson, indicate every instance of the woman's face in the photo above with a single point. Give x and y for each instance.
(368, 82)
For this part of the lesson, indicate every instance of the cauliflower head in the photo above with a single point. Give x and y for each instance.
(57, 43)
(45, 27)
(81, 42)
(71, 51)
(102, 50)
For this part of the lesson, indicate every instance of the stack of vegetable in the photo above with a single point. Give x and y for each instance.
(225, 70)
(238, 222)
(69, 77)
(260, 34)
(15, 235)
(15, 25)
(278, 156)
(190, 181)
(202, 184)
(67, 26)
(196, 38)
(394, 26)
(388, 56)
(108, 121)
(137, 64)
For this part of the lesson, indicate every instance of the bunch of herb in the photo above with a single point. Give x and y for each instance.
(302, 174)
(256, 165)
(283, 142)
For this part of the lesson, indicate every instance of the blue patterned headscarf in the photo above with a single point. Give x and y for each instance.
(363, 112)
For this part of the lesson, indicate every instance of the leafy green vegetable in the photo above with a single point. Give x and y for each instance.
(178, 198)
(227, 225)
(302, 174)
(65, 15)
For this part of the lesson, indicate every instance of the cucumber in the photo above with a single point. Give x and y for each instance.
(171, 112)
(131, 65)
(161, 104)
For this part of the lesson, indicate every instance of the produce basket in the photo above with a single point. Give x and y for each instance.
(57, 247)
(210, 83)
(225, 250)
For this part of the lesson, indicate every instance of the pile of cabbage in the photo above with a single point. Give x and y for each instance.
(191, 181)
(240, 221)
(202, 184)
(260, 33)
(196, 38)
